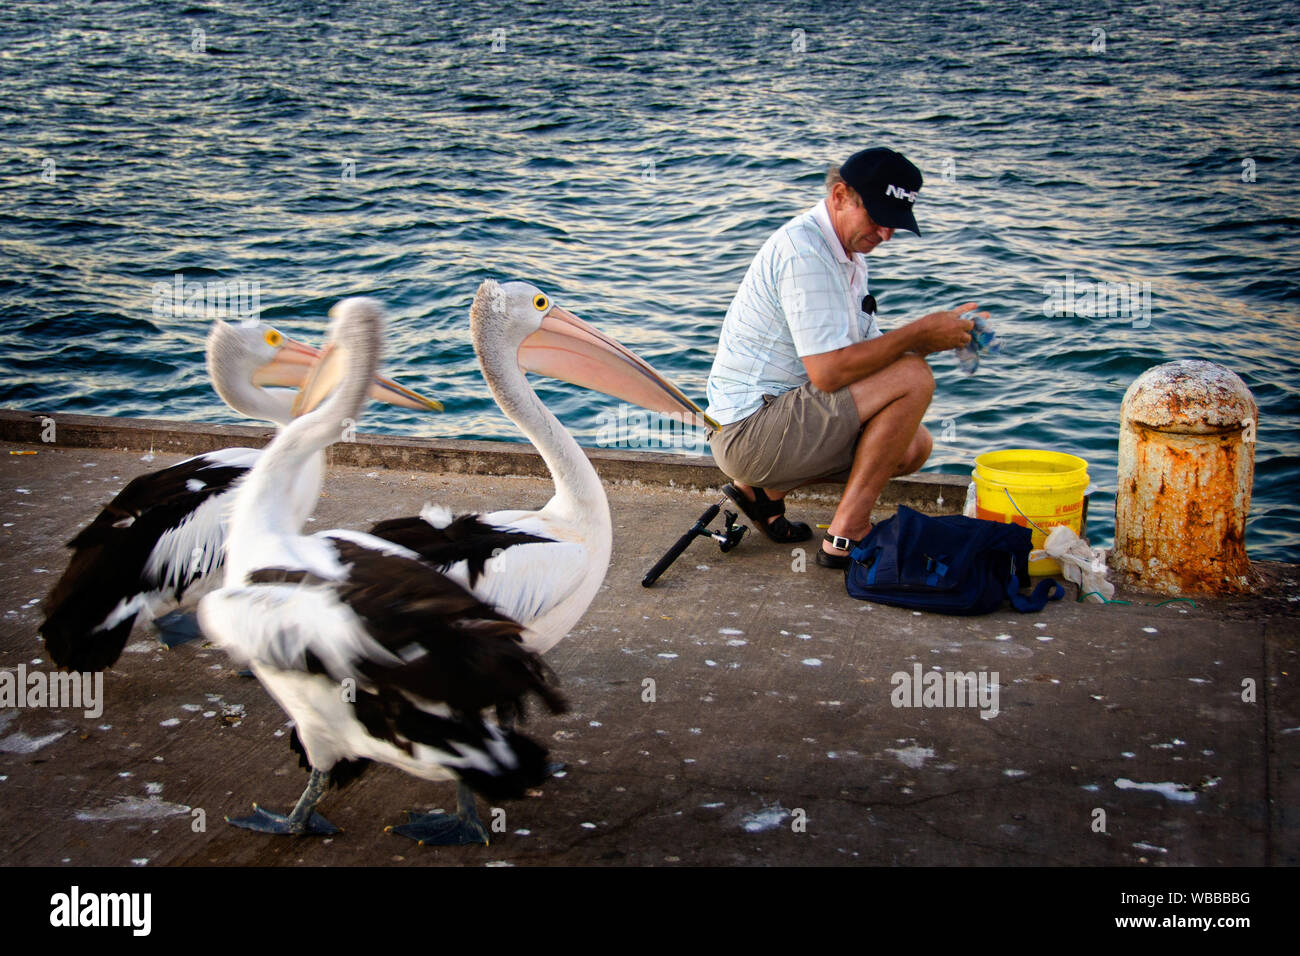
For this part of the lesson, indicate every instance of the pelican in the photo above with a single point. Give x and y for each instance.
(540, 568)
(372, 652)
(166, 530)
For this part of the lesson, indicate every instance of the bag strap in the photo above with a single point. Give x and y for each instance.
(871, 574)
(1046, 590)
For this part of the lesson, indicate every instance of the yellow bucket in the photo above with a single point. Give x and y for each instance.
(1034, 488)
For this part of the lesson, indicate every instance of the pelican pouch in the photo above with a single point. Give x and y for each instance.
(949, 565)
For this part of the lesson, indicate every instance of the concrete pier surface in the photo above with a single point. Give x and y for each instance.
(739, 712)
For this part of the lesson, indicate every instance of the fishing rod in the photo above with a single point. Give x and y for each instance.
(727, 539)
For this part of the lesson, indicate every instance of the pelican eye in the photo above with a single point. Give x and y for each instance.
(540, 302)
(273, 338)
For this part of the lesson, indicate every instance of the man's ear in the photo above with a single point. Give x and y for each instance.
(842, 196)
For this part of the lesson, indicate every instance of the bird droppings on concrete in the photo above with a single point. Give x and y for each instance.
(768, 818)
(913, 756)
(134, 808)
(1149, 848)
(1177, 792)
(20, 743)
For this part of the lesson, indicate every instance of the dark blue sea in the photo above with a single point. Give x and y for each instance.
(630, 158)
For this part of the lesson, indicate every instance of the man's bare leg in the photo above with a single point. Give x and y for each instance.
(903, 390)
(892, 402)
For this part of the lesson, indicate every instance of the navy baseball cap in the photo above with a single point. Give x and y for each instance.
(888, 185)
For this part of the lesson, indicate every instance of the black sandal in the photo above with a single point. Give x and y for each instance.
(837, 561)
(761, 508)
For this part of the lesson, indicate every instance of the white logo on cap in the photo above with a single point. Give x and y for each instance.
(898, 192)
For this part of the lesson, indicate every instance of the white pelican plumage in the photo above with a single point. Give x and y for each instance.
(166, 530)
(540, 568)
(372, 652)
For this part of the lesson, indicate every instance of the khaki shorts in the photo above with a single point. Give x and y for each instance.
(801, 435)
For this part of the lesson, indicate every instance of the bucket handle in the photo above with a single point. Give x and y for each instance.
(1022, 514)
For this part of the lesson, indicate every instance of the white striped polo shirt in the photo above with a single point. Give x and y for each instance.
(801, 296)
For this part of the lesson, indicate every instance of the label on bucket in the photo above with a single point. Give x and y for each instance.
(986, 515)
(1041, 521)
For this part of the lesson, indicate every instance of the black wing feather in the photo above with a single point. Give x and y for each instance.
(465, 539)
(454, 649)
(110, 556)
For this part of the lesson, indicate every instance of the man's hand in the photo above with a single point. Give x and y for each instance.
(936, 332)
(940, 331)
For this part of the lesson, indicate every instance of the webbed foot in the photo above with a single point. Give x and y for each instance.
(264, 821)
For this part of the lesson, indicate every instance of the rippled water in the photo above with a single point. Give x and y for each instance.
(630, 160)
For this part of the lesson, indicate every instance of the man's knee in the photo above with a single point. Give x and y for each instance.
(908, 379)
(918, 377)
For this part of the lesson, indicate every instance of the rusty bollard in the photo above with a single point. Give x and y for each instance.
(1186, 467)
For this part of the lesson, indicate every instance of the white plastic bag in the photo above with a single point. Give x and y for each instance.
(1080, 564)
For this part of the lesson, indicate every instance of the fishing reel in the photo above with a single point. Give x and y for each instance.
(727, 539)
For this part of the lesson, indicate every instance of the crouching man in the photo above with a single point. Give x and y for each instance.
(805, 385)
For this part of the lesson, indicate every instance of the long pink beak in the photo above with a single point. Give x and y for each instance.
(293, 364)
(567, 348)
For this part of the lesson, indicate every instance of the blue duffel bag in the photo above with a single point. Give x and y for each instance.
(950, 565)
